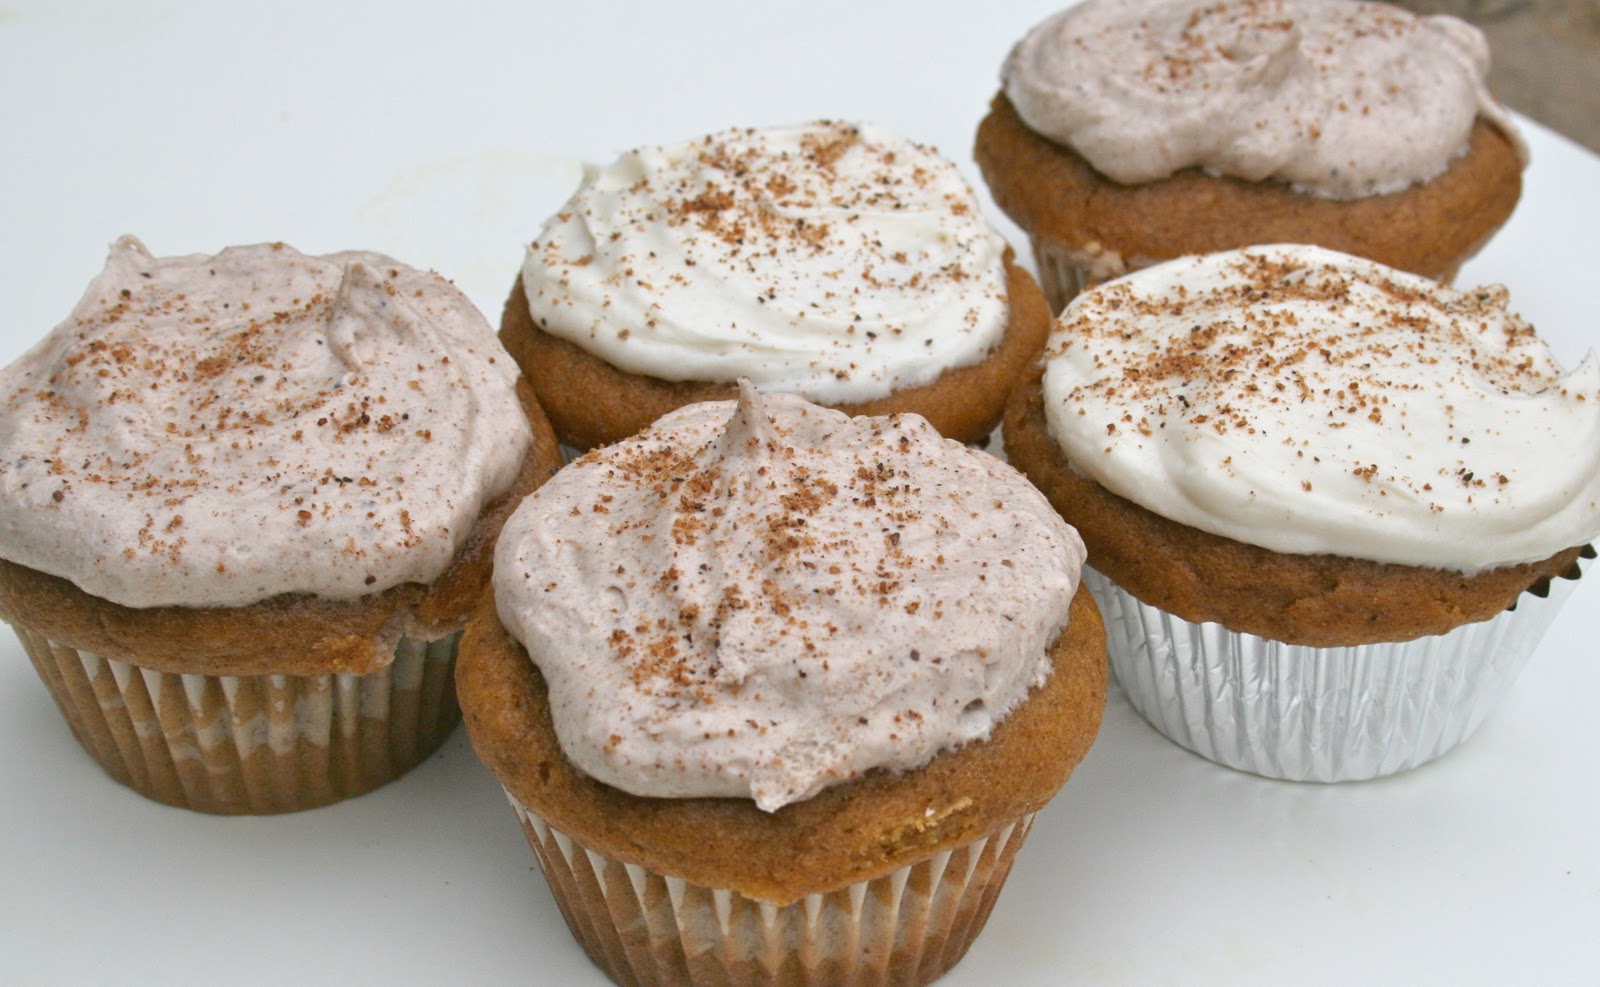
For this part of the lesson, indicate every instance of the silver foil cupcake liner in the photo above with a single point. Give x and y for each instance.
(1317, 714)
(253, 744)
(641, 927)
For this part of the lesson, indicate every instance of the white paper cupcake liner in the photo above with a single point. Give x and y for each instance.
(1316, 714)
(642, 927)
(1065, 272)
(253, 744)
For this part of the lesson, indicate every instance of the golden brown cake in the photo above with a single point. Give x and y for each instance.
(1087, 228)
(252, 499)
(832, 730)
(839, 262)
(1321, 600)
(1120, 141)
(595, 403)
(850, 833)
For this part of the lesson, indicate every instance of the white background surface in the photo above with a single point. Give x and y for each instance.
(444, 139)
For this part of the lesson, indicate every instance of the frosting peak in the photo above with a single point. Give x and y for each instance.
(832, 260)
(1344, 98)
(1310, 402)
(773, 597)
(216, 430)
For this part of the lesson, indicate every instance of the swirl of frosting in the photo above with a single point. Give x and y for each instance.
(835, 261)
(1342, 98)
(765, 597)
(214, 431)
(1311, 402)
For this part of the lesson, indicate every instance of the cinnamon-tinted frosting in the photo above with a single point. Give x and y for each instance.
(1343, 98)
(217, 430)
(763, 598)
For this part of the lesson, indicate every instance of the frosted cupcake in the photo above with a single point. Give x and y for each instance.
(1331, 505)
(835, 261)
(1128, 132)
(249, 500)
(776, 692)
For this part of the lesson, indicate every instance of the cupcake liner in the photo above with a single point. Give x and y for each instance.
(1064, 272)
(1317, 714)
(253, 744)
(642, 927)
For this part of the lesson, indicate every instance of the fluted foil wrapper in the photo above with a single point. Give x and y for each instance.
(1316, 714)
(642, 927)
(253, 744)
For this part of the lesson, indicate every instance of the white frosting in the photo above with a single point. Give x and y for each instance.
(1342, 98)
(763, 599)
(213, 431)
(1310, 402)
(835, 261)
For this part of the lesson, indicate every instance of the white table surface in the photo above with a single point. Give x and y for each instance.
(444, 139)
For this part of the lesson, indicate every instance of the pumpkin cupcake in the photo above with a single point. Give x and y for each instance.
(1128, 132)
(776, 692)
(249, 500)
(835, 261)
(1331, 505)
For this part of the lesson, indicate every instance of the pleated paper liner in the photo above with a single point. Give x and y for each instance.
(253, 744)
(646, 928)
(1319, 714)
(1065, 273)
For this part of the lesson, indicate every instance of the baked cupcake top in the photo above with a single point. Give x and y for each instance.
(832, 260)
(214, 431)
(762, 598)
(1311, 402)
(1342, 98)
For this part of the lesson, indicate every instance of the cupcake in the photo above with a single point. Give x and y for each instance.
(1331, 506)
(776, 692)
(835, 261)
(249, 500)
(1127, 132)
